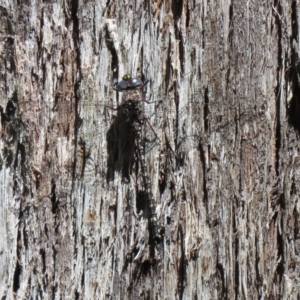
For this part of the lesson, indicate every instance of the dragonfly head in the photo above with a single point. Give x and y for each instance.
(128, 83)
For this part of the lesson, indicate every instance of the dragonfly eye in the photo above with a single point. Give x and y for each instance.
(128, 83)
(122, 85)
(135, 82)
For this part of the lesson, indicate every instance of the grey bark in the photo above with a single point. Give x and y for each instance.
(225, 173)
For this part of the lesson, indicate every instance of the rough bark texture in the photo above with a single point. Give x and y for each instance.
(225, 173)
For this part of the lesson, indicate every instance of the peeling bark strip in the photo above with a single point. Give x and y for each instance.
(225, 176)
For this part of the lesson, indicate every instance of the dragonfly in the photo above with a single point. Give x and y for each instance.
(132, 109)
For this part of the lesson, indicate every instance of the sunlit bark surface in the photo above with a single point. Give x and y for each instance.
(225, 168)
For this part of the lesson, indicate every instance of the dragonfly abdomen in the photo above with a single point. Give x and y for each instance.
(147, 185)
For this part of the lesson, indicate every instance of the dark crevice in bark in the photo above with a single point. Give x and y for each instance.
(278, 87)
(280, 249)
(294, 21)
(257, 260)
(296, 228)
(141, 68)
(83, 203)
(168, 68)
(202, 158)
(54, 291)
(46, 231)
(181, 267)
(224, 292)
(177, 8)
(83, 157)
(82, 279)
(46, 146)
(54, 201)
(230, 43)
(39, 41)
(43, 260)
(169, 220)
(113, 261)
(187, 17)
(17, 274)
(293, 110)
(77, 295)
(40, 49)
(202, 18)
(95, 33)
(181, 53)
(9, 116)
(206, 109)
(179, 158)
(77, 82)
(162, 183)
(278, 91)
(145, 268)
(172, 192)
(293, 74)
(10, 110)
(236, 248)
(114, 56)
(76, 93)
(54, 284)
(230, 34)
(25, 234)
(18, 268)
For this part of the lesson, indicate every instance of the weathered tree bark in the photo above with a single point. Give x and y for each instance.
(225, 174)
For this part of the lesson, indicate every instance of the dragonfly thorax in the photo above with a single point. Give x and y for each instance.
(132, 109)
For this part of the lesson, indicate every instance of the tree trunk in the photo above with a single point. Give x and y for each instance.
(225, 167)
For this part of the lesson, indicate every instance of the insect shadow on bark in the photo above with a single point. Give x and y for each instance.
(120, 147)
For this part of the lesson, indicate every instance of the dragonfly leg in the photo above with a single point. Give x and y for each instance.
(145, 82)
(146, 119)
(112, 108)
(150, 102)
